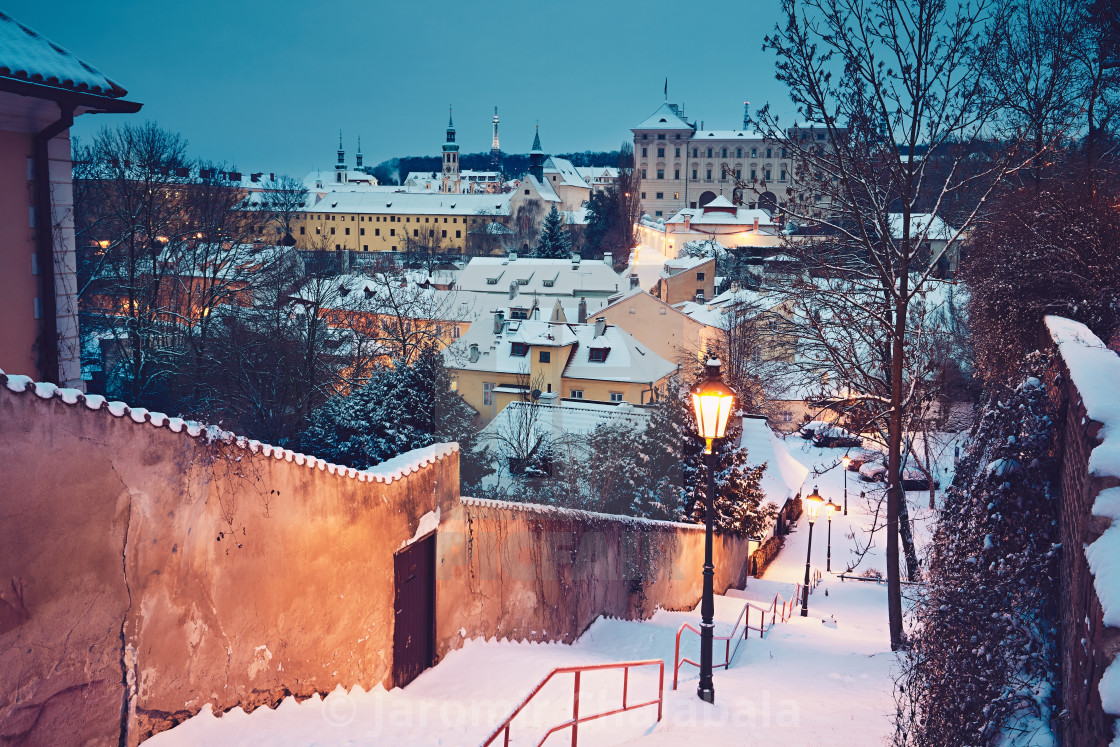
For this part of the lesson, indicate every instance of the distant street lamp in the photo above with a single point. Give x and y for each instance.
(712, 401)
(847, 460)
(813, 503)
(830, 508)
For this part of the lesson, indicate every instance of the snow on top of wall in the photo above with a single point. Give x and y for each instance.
(388, 471)
(1094, 370)
(541, 510)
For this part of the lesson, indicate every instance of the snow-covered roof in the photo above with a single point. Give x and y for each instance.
(665, 118)
(544, 189)
(535, 276)
(576, 217)
(627, 360)
(592, 174)
(568, 174)
(406, 203)
(784, 475)
(388, 471)
(320, 182)
(558, 418)
(727, 135)
(721, 211)
(683, 264)
(30, 57)
(938, 230)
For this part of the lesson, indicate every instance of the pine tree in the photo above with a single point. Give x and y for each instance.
(555, 243)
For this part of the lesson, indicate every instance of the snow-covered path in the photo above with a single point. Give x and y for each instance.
(820, 680)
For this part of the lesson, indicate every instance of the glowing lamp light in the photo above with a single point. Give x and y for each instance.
(104, 244)
(846, 461)
(831, 508)
(813, 503)
(712, 401)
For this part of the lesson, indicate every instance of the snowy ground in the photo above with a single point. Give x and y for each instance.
(820, 680)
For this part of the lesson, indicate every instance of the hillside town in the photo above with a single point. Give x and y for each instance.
(516, 441)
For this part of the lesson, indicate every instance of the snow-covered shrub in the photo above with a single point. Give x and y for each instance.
(982, 664)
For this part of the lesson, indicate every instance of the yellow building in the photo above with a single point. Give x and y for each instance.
(687, 279)
(667, 331)
(501, 360)
(389, 221)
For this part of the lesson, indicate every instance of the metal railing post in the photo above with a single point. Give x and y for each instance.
(575, 712)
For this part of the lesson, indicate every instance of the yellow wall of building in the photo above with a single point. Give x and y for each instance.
(665, 331)
(385, 232)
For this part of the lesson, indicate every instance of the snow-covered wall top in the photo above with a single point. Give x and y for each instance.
(575, 513)
(1094, 371)
(386, 472)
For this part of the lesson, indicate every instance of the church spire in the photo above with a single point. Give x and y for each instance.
(340, 165)
(537, 141)
(451, 181)
(359, 156)
(536, 157)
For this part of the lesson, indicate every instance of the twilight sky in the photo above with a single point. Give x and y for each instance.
(266, 86)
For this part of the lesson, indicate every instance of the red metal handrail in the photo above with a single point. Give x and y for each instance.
(729, 654)
(576, 719)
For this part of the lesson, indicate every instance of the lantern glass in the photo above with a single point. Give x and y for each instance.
(847, 460)
(831, 508)
(813, 503)
(712, 402)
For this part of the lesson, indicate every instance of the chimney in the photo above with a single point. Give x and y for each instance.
(600, 326)
(756, 225)
(513, 256)
(474, 352)
(634, 281)
(608, 259)
(499, 321)
(272, 176)
(512, 289)
(687, 221)
(575, 261)
(582, 317)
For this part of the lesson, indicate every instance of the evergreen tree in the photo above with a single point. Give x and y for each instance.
(555, 243)
(400, 408)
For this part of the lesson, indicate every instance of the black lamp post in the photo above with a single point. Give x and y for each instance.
(712, 401)
(813, 503)
(830, 508)
(847, 460)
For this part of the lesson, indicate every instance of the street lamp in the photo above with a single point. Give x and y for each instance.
(712, 401)
(831, 508)
(813, 503)
(847, 460)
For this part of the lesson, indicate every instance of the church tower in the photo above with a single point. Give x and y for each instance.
(536, 157)
(340, 166)
(358, 164)
(451, 181)
(495, 149)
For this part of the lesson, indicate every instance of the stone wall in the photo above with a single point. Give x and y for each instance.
(528, 572)
(147, 571)
(150, 566)
(1086, 644)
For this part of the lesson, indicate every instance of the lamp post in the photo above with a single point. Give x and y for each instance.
(813, 503)
(831, 508)
(712, 401)
(847, 460)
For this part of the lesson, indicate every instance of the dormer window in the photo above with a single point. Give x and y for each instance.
(491, 281)
(549, 283)
(598, 355)
(519, 349)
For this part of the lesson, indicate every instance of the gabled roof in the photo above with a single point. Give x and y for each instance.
(727, 135)
(544, 189)
(676, 266)
(537, 276)
(665, 118)
(568, 174)
(30, 59)
(411, 203)
(620, 300)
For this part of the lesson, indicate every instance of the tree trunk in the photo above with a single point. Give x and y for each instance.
(905, 531)
(894, 459)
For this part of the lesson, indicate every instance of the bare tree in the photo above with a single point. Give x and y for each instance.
(883, 82)
(283, 201)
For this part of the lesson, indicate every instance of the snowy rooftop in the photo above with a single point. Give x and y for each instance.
(546, 277)
(626, 360)
(424, 203)
(683, 264)
(561, 171)
(592, 174)
(560, 418)
(720, 211)
(544, 189)
(665, 118)
(27, 56)
(727, 135)
(784, 475)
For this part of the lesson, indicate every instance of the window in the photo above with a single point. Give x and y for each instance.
(676, 173)
(616, 396)
(526, 191)
(645, 136)
(487, 392)
(723, 153)
(699, 295)
(738, 152)
(643, 195)
(392, 232)
(678, 137)
(332, 230)
(754, 152)
(694, 173)
(415, 232)
(678, 151)
(518, 314)
(661, 173)
(658, 213)
(365, 247)
(787, 416)
(783, 175)
(302, 230)
(362, 231)
(709, 152)
(769, 152)
(660, 195)
(519, 349)
(660, 152)
(598, 355)
(700, 277)
(458, 234)
(767, 175)
(644, 149)
(695, 152)
(709, 177)
(545, 356)
(576, 394)
(643, 173)
(754, 174)
(455, 332)
(784, 153)
(377, 232)
(661, 136)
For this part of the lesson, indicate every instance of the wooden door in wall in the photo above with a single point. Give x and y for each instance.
(415, 610)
